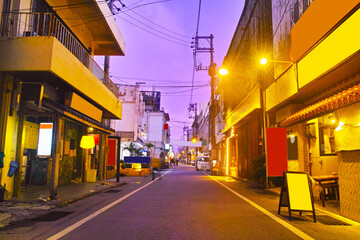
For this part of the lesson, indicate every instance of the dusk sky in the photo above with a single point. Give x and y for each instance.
(167, 66)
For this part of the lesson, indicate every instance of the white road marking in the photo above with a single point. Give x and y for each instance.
(266, 212)
(93, 215)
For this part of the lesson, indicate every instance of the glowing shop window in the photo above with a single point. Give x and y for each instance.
(326, 135)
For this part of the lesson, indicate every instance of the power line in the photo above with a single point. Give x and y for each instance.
(160, 25)
(194, 52)
(154, 33)
(156, 29)
(152, 80)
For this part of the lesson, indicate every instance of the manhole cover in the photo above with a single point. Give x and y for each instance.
(51, 216)
(328, 220)
(112, 191)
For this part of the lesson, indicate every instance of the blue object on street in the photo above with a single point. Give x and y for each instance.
(2, 155)
(137, 159)
(13, 167)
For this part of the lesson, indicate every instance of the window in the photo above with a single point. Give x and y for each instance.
(327, 125)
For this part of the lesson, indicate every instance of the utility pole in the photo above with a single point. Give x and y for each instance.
(212, 73)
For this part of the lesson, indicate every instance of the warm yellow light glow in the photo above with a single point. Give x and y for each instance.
(333, 121)
(194, 140)
(223, 71)
(87, 142)
(341, 124)
(227, 156)
(91, 129)
(136, 165)
(263, 61)
(334, 49)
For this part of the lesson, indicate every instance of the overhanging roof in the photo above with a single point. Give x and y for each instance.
(341, 99)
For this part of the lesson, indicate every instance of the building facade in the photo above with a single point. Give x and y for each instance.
(129, 127)
(316, 98)
(241, 91)
(157, 132)
(53, 92)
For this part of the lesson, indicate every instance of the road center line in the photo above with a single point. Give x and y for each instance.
(266, 212)
(93, 215)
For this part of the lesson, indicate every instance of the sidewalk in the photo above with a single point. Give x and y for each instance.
(331, 206)
(34, 199)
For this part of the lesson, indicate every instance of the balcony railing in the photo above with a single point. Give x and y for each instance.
(25, 24)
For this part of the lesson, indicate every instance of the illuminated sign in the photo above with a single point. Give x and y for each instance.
(45, 140)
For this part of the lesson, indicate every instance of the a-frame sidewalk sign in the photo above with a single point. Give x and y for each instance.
(296, 193)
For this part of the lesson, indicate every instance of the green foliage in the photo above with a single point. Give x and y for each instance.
(259, 169)
(138, 152)
(2, 189)
(133, 150)
(149, 145)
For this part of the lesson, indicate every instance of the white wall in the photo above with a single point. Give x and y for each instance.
(156, 128)
(128, 122)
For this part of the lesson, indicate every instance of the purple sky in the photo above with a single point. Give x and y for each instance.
(159, 62)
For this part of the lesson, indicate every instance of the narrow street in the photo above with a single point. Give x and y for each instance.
(182, 204)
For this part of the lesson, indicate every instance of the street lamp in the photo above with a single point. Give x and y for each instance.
(264, 61)
(223, 71)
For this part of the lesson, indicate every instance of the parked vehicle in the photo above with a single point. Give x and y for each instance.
(203, 163)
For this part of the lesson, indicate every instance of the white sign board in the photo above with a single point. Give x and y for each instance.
(45, 140)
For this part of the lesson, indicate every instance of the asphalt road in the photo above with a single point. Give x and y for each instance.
(182, 204)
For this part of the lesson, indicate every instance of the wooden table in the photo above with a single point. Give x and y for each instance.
(329, 187)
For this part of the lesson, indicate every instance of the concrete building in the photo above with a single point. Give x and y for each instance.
(241, 91)
(157, 132)
(129, 127)
(152, 100)
(49, 81)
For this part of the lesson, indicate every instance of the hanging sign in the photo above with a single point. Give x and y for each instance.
(296, 193)
(276, 153)
(45, 140)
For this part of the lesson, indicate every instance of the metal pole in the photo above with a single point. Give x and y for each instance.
(212, 72)
(118, 159)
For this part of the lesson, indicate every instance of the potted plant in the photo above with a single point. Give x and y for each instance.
(2, 192)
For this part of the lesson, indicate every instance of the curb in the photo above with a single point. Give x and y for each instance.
(6, 216)
(64, 203)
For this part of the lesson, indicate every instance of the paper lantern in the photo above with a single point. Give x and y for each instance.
(87, 142)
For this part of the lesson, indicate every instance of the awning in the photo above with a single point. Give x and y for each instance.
(70, 113)
(341, 99)
(244, 109)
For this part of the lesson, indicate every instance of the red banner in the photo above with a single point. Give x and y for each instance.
(276, 149)
(112, 152)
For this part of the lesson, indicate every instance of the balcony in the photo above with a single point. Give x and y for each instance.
(40, 46)
(47, 24)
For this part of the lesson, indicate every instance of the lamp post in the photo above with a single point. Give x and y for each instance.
(264, 61)
(223, 71)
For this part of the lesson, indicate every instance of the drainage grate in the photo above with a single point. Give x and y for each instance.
(328, 220)
(112, 191)
(51, 216)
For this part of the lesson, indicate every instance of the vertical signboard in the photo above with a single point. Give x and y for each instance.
(276, 151)
(112, 143)
(45, 140)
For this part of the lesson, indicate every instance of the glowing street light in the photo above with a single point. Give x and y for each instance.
(263, 61)
(223, 71)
